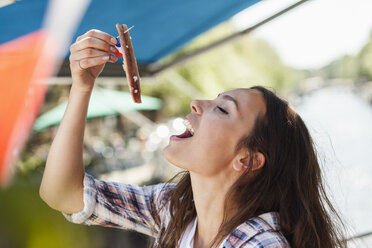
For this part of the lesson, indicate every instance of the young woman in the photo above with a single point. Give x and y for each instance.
(252, 177)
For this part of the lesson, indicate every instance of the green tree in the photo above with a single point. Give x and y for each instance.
(242, 63)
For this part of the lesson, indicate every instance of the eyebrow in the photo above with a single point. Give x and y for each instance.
(230, 98)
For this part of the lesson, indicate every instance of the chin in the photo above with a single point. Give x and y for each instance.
(171, 158)
(168, 155)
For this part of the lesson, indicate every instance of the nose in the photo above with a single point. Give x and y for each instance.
(196, 107)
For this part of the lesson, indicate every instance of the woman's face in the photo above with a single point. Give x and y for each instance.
(218, 126)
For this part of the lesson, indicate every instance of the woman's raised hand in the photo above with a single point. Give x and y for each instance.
(88, 56)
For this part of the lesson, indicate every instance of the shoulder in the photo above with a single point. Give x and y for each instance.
(258, 232)
(159, 193)
(267, 239)
(114, 195)
(156, 191)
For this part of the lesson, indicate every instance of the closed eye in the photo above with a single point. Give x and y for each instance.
(222, 110)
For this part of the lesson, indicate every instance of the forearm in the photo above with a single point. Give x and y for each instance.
(62, 183)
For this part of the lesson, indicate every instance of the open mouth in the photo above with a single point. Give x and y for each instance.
(186, 134)
(189, 132)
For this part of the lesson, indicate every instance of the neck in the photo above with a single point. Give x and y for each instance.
(209, 199)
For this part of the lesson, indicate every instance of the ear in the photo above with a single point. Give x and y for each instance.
(258, 161)
(242, 159)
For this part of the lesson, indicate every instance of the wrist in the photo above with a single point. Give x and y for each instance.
(79, 88)
(75, 89)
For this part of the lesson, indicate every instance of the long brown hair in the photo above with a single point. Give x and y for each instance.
(290, 183)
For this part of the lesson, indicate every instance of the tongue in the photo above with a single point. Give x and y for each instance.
(186, 134)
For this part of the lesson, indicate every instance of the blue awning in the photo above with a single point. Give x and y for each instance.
(161, 26)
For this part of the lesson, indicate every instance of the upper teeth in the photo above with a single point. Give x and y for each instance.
(188, 126)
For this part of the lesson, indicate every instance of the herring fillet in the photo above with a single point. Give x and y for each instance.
(130, 63)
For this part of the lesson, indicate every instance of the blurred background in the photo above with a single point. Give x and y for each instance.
(316, 54)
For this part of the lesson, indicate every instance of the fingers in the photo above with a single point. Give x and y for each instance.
(91, 49)
(95, 39)
(89, 62)
(92, 42)
(99, 35)
(87, 53)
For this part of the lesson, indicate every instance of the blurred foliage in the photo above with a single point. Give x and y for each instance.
(28, 222)
(356, 67)
(238, 64)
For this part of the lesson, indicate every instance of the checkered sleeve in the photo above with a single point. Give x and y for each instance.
(267, 239)
(122, 206)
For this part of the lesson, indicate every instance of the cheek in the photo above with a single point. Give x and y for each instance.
(204, 156)
(216, 138)
(207, 153)
(214, 150)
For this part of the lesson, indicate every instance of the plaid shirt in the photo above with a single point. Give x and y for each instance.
(131, 207)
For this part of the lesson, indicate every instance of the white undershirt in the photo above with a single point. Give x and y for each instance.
(187, 239)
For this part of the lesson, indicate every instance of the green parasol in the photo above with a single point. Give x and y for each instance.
(103, 102)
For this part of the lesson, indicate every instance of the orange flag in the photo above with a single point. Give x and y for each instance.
(24, 64)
